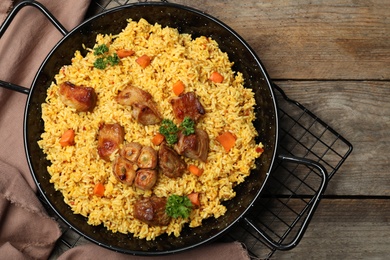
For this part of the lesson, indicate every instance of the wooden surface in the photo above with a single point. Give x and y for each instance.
(334, 58)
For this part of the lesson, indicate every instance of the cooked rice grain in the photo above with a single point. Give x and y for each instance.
(229, 107)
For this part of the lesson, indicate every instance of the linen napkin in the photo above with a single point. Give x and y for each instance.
(26, 231)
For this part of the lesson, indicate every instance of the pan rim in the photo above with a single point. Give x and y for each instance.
(137, 5)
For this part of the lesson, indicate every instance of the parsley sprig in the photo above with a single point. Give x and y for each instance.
(100, 50)
(104, 60)
(187, 126)
(170, 131)
(178, 206)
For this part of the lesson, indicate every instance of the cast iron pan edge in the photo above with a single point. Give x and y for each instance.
(187, 20)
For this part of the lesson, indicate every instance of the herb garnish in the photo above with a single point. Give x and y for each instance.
(187, 126)
(100, 50)
(169, 130)
(101, 62)
(113, 60)
(178, 206)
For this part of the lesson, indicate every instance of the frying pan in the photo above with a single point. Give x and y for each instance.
(186, 20)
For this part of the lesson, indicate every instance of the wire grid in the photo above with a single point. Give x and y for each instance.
(283, 211)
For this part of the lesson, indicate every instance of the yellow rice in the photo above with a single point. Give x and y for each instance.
(229, 106)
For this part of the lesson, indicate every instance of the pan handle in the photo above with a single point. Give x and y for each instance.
(310, 210)
(8, 21)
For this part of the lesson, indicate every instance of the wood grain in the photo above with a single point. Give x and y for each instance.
(336, 39)
(345, 229)
(359, 111)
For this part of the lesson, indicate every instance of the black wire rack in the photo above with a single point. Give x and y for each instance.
(281, 215)
(279, 218)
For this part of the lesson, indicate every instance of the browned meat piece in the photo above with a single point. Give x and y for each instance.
(194, 146)
(189, 105)
(152, 211)
(145, 179)
(124, 170)
(81, 98)
(131, 95)
(146, 114)
(131, 151)
(147, 158)
(144, 108)
(170, 163)
(110, 136)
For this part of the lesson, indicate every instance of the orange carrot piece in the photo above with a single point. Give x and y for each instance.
(227, 140)
(195, 170)
(67, 138)
(143, 61)
(124, 53)
(98, 190)
(259, 150)
(216, 77)
(178, 88)
(158, 139)
(194, 198)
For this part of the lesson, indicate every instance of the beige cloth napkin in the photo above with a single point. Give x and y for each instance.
(26, 231)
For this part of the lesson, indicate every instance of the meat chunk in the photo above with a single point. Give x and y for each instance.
(145, 179)
(131, 151)
(81, 98)
(144, 108)
(146, 114)
(151, 210)
(189, 105)
(194, 146)
(170, 163)
(110, 136)
(147, 158)
(124, 170)
(131, 95)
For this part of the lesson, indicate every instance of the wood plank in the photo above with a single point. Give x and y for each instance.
(359, 111)
(307, 39)
(345, 229)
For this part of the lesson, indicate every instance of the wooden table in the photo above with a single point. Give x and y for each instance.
(334, 58)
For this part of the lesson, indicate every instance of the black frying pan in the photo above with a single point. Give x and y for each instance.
(187, 20)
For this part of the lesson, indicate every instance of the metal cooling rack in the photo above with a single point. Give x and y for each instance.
(281, 215)
(279, 218)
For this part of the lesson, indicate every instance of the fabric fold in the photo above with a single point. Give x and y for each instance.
(216, 251)
(25, 226)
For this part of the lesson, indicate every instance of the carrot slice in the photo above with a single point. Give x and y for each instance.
(143, 61)
(124, 53)
(98, 190)
(178, 88)
(227, 140)
(216, 77)
(259, 150)
(67, 138)
(195, 170)
(158, 139)
(194, 198)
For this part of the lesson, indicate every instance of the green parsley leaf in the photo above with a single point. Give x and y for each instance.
(187, 126)
(113, 60)
(178, 206)
(100, 50)
(100, 63)
(169, 130)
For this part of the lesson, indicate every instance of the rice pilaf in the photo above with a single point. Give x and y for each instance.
(229, 107)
